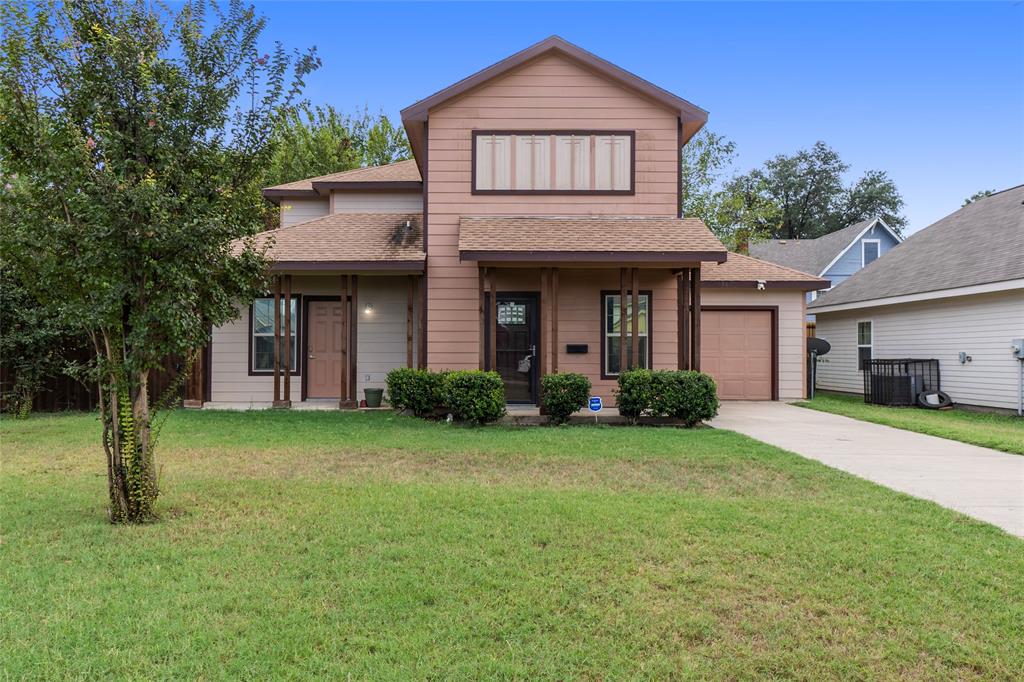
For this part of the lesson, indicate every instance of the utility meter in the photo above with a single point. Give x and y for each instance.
(1018, 348)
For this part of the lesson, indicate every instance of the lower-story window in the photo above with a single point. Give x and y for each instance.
(865, 344)
(613, 335)
(262, 336)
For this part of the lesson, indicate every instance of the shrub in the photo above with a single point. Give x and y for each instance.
(690, 397)
(563, 394)
(418, 390)
(634, 393)
(474, 396)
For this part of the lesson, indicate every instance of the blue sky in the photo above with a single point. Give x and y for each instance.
(932, 93)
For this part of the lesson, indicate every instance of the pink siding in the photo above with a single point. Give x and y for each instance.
(553, 93)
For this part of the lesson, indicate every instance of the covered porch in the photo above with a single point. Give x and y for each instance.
(344, 307)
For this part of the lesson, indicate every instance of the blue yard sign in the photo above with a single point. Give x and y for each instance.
(595, 404)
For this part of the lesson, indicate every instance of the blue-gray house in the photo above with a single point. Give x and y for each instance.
(835, 256)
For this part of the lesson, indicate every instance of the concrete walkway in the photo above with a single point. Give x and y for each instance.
(980, 482)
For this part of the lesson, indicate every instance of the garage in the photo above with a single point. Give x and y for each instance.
(738, 350)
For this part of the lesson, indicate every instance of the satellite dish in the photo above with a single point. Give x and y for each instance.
(818, 346)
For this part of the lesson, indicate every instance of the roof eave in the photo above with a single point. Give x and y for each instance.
(314, 266)
(665, 257)
(798, 284)
(325, 187)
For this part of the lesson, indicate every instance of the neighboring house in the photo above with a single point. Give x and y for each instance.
(834, 256)
(542, 207)
(953, 291)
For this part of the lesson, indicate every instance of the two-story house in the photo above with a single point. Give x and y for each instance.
(835, 256)
(538, 229)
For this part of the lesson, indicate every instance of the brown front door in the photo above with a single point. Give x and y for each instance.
(323, 352)
(736, 349)
(516, 352)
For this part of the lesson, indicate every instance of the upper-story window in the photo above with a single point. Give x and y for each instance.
(553, 162)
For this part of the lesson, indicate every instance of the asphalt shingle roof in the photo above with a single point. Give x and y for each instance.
(808, 255)
(981, 243)
(588, 235)
(348, 237)
(741, 269)
(401, 171)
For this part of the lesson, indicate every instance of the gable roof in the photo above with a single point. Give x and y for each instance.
(587, 238)
(740, 271)
(980, 244)
(401, 175)
(352, 240)
(414, 116)
(815, 255)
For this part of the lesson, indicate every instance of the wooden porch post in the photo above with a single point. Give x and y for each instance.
(421, 324)
(622, 320)
(277, 340)
(494, 320)
(544, 316)
(409, 320)
(343, 400)
(287, 333)
(695, 283)
(482, 295)
(554, 320)
(683, 313)
(636, 319)
(353, 356)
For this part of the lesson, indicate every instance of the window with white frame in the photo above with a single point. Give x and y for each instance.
(554, 162)
(613, 335)
(865, 344)
(869, 251)
(262, 316)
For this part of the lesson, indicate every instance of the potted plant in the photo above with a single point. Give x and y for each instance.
(373, 396)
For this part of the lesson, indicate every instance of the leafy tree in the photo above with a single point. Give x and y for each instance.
(808, 187)
(737, 210)
(312, 141)
(140, 135)
(978, 195)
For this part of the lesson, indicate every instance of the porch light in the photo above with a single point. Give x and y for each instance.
(368, 310)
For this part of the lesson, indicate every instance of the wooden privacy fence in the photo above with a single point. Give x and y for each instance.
(62, 392)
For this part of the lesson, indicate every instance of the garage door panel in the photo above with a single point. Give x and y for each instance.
(736, 349)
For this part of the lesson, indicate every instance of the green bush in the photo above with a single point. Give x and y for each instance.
(634, 395)
(474, 396)
(563, 394)
(690, 397)
(418, 390)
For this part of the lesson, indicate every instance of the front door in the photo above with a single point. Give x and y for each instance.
(517, 344)
(323, 350)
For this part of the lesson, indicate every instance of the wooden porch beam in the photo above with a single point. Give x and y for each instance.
(353, 356)
(287, 333)
(544, 317)
(635, 321)
(695, 284)
(622, 320)
(482, 312)
(277, 340)
(344, 401)
(554, 320)
(409, 321)
(421, 324)
(683, 314)
(492, 273)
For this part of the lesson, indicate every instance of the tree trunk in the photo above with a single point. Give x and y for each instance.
(130, 464)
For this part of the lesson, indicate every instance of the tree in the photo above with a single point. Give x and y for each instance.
(808, 187)
(311, 141)
(737, 210)
(978, 195)
(140, 136)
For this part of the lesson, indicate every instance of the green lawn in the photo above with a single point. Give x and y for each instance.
(999, 431)
(373, 546)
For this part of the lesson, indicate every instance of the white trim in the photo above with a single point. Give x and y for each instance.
(987, 288)
(876, 221)
(865, 242)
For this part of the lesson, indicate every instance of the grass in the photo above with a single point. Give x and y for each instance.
(999, 431)
(373, 546)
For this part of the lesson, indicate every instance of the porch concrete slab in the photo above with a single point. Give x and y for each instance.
(983, 483)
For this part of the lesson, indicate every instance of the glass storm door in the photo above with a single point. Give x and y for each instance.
(517, 344)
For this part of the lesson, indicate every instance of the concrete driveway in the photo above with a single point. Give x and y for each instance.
(980, 482)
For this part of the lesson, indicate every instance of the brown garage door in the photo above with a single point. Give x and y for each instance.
(736, 349)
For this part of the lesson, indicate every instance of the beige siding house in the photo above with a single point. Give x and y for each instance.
(540, 210)
(953, 292)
